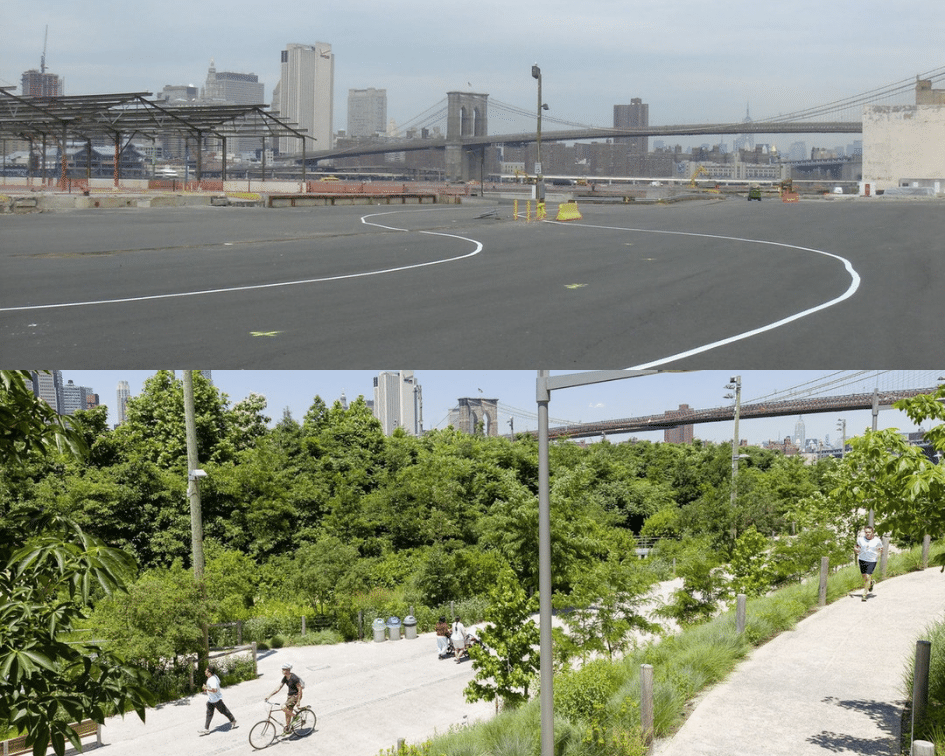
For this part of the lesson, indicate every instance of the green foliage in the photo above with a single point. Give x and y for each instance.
(579, 693)
(703, 586)
(605, 608)
(47, 569)
(507, 660)
(750, 565)
(28, 426)
(157, 621)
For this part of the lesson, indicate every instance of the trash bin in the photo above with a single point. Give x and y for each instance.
(410, 627)
(393, 628)
(378, 626)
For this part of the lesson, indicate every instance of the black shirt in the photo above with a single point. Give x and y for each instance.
(293, 682)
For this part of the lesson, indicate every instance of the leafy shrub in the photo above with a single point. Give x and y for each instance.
(577, 693)
(277, 641)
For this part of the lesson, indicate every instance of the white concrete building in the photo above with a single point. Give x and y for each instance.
(903, 146)
(305, 94)
(398, 402)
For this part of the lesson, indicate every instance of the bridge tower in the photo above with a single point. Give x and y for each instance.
(471, 411)
(467, 114)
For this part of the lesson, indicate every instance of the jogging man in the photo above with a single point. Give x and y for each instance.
(295, 686)
(868, 548)
(215, 700)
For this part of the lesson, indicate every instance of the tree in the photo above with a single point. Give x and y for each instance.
(508, 659)
(47, 568)
(159, 618)
(751, 565)
(604, 608)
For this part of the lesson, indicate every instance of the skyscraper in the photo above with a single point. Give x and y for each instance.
(305, 94)
(124, 394)
(367, 112)
(47, 385)
(41, 84)
(229, 88)
(800, 433)
(398, 402)
(73, 398)
(633, 116)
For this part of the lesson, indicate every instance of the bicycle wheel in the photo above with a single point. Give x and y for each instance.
(262, 734)
(304, 722)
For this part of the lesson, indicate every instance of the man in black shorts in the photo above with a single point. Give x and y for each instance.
(295, 686)
(868, 548)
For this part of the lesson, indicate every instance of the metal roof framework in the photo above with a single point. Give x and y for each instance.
(129, 115)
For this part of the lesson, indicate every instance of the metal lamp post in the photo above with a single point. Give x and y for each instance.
(545, 384)
(539, 181)
(735, 384)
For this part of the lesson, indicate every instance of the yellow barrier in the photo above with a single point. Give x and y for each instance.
(540, 213)
(568, 211)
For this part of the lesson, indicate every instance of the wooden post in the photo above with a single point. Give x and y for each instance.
(239, 632)
(824, 569)
(360, 624)
(400, 745)
(926, 545)
(255, 667)
(923, 748)
(646, 703)
(303, 624)
(920, 682)
(740, 613)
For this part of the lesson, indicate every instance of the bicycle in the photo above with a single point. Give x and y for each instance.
(264, 733)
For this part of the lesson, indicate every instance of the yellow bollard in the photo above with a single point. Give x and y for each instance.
(515, 209)
(528, 211)
(540, 211)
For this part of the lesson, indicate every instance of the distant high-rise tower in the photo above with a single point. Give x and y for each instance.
(228, 88)
(124, 394)
(40, 84)
(73, 398)
(367, 112)
(800, 433)
(47, 386)
(398, 402)
(633, 116)
(305, 94)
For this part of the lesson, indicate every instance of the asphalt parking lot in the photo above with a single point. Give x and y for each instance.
(701, 284)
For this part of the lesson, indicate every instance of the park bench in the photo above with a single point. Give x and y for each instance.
(83, 729)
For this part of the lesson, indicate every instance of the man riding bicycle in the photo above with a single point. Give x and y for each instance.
(295, 686)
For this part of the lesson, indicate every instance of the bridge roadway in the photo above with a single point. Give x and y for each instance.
(675, 418)
(568, 135)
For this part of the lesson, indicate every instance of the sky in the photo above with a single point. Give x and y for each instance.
(692, 61)
(295, 390)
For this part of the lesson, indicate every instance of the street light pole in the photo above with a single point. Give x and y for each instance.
(544, 385)
(735, 383)
(539, 182)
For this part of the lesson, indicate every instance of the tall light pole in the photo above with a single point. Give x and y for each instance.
(735, 384)
(539, 181)
(544, 385)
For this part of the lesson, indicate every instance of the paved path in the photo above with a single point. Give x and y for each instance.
(366, 696)
(830, 686)
(833, 685)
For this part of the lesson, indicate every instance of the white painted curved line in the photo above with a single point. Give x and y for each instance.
(851, 290)
(255, 287)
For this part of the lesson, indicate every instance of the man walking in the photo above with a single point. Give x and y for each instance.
(215, 701)
(868, 548)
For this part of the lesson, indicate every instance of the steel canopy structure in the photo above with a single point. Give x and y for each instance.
(124, 116)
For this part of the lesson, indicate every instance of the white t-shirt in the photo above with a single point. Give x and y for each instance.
(213, 682)
(459, 634)
(869, 550)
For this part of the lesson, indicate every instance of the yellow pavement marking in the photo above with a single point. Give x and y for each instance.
(574, 286)
(264, 333)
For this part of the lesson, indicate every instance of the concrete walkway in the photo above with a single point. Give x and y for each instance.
(366, 696)
(833, 685)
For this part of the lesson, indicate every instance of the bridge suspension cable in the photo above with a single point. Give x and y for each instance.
(904, 86)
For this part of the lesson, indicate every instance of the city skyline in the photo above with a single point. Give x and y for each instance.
(618, 51)
(515, 389)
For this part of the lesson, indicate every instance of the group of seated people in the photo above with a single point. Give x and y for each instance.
(454, 639)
